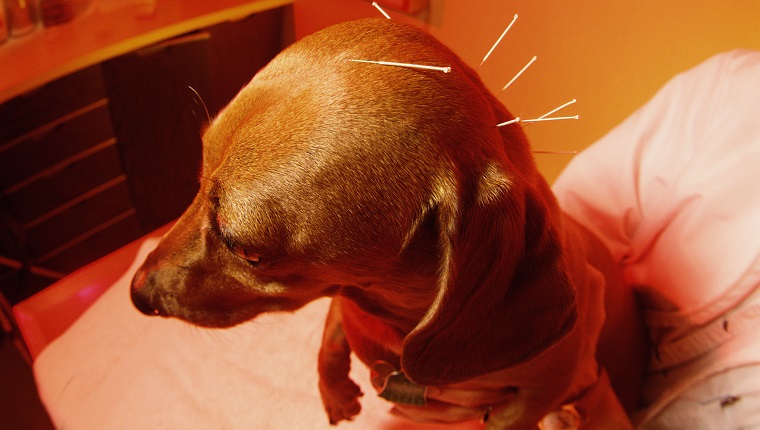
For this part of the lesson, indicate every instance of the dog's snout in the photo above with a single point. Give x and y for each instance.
(140, 297)
(143, 304)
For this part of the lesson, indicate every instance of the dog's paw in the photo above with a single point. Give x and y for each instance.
(341, 399)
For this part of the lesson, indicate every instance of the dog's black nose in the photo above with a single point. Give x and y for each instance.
(143, 305)
(139, 297)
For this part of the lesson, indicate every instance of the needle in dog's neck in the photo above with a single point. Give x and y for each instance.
(557, 109)
(377, 6)
(444, 69)
(530, 121)
(556, 118)
(499, 40)
(544, 117)
(539, 151)
(520, 73)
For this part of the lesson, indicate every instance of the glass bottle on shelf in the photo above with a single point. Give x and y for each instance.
(3, 23)
(21, 17)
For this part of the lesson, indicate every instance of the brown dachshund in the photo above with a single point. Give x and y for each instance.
(453, 271)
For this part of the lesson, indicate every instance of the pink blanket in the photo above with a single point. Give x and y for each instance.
(117, 369)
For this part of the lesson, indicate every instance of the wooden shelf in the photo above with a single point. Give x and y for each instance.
(100, 34)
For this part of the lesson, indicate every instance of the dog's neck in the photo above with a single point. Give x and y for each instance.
(403, 305)
(401, 313)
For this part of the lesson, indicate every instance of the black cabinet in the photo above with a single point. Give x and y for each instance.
(157, 116)
(98, 158)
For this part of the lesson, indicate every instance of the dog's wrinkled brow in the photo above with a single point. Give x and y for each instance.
(214, 194)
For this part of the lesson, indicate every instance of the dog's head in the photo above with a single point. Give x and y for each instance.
(390, 185)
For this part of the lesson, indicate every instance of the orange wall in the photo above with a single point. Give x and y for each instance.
(611, 56)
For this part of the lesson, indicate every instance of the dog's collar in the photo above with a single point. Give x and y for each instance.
(394, 386)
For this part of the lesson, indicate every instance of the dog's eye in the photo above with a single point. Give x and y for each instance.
(251, 257)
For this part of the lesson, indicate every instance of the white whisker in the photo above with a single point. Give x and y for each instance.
(200, 99)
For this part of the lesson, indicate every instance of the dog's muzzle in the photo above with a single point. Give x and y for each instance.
(140, 298)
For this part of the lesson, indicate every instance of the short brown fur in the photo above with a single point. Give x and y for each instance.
(391, 190)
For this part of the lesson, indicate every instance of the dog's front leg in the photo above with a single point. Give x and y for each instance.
(340, 395)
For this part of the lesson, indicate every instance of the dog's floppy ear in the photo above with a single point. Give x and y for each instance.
(504, 293)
